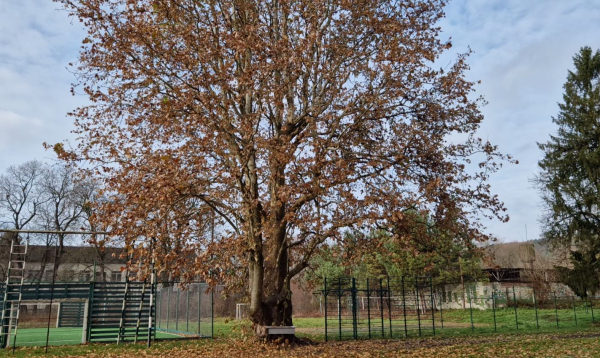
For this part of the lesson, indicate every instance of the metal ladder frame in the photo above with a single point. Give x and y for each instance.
(139, 319)
(123, 310)
(11, 329)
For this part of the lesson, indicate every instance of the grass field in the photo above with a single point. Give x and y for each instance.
(576, 336)
(500, 345)
(447, 323)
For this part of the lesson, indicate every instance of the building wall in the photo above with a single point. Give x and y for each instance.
(75, 272)
(479, 294)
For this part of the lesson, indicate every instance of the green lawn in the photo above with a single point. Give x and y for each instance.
(455, 323)
(560, 344)
(447, 323)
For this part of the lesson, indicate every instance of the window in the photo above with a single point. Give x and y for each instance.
(115, 277)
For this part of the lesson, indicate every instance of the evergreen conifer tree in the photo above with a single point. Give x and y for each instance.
(570, 170)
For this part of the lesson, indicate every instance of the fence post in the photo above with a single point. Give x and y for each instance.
(471, 312)
(432, 311)
(537, 321)
(169, 305)
(494, 309)
(515, 303)
(199, 285)
(151, 311)
(91, 310)
(212, 313)
(381, 307)
(418, 310)
(325, 304)
(187, 313)
(177, 312)
(340, 308)
(389, 290)
(404, 307)
(574, 312)
(158, 304)
(86, 310)
(369, 307)
(555, 308)
(354, 318)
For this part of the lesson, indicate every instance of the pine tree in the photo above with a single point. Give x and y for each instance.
(570, 170)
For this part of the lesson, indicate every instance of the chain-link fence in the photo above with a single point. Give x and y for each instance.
(185, 309)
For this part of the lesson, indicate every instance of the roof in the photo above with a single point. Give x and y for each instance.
(72, 254)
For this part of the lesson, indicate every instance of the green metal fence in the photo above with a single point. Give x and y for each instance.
(399, 307)
(378, 308)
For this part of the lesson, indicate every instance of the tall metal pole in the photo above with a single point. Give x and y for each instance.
(432, 310)
(51, 297)
(151, 310)
(199, 286)
(404, 307)
(170, 288)
(390, 306)
(325, 299)
(418, 308)
(187, 314)
(177, 312)
(369, 307)
(354, 318)
(381, 307)
(340, 308)
(212, 314)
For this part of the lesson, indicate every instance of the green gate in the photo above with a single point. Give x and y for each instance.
(393, 307)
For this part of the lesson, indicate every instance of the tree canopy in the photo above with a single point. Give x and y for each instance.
(284, 123)
(445, 259)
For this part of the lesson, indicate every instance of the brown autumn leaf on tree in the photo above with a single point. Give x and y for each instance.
(283, 122)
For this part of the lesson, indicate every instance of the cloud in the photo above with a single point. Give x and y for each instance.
(19, 135)
(522, 51)
(37, 43)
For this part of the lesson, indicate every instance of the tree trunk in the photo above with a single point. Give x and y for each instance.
(274, 311)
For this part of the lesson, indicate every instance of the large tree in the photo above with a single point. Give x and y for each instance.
(287, 122)
(569, 175)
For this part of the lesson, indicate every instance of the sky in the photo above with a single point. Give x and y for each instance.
(522, 51)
